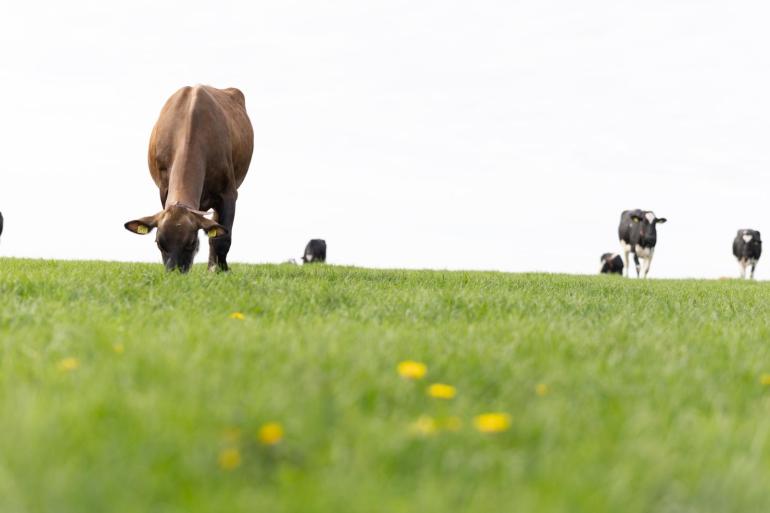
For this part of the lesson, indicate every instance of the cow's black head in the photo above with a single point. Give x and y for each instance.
(315, 251)
(752, 243)
(645, 222)
(177, 235)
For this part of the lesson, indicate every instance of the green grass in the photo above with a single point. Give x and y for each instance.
(654, 399)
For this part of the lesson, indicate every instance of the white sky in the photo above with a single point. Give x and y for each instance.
(501, 135)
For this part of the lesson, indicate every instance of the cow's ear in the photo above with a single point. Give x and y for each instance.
(660, 220)
(142, 226)
(212, 228)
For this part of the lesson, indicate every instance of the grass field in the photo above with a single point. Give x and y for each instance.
(127, 389)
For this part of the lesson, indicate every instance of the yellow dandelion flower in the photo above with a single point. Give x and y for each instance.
(425, 425)
(412, 370)
(270, 433)
(442, 391)
(231, 435)
(237, 316)
(118, 348)
(452, 424)
(542, 389)
(765, 379)
(68, 364)
(229, 459)
(492, 422)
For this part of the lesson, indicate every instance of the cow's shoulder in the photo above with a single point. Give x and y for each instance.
(236, 94)
(181, 96)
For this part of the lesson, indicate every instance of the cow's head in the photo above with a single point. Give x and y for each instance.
(605, 260)
(752, 243)
(751, 237)
(646, 223)
(177, 234)
(315, 251)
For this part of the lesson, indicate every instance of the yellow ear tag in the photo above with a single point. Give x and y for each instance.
(142, 229)
(212, 233)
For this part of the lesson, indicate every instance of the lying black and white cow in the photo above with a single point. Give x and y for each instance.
(747, 248)
(612, 263)
(638, 235)
(315, 251)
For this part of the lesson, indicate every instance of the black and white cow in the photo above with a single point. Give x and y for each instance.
(1, 223)
(747, 248)
(638, 235)
(612, 263)
(315, 251)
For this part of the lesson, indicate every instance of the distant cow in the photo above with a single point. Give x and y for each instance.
(200, 150)
(1, 223)
(638, 235)
(747, 248)
(315, 251)
(612, 263)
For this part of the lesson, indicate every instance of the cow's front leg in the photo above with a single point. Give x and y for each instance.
(647, 262)
(742, 263)
(753, 266)
(220, 246)
(626, 267)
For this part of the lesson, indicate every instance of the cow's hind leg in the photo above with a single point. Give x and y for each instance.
(636, 263)
(626, 249)
(220, 246)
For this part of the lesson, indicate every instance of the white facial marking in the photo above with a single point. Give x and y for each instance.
(650, 217)
(309, 257)
(747, 238)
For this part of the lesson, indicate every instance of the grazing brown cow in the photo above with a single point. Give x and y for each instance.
(200, 150)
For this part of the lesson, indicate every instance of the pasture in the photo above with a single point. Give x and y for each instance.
(124, 388)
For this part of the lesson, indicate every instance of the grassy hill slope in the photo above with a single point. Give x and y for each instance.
(127, 389)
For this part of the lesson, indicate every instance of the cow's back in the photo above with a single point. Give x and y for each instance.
(624, 228)
(233, 104)
(612, 263)
(202, 127)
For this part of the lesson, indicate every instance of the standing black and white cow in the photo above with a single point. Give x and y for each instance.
(315, 252)
(747, 248)
(638, 235)
(612, 263)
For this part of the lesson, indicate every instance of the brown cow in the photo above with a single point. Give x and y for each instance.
(200, 150)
